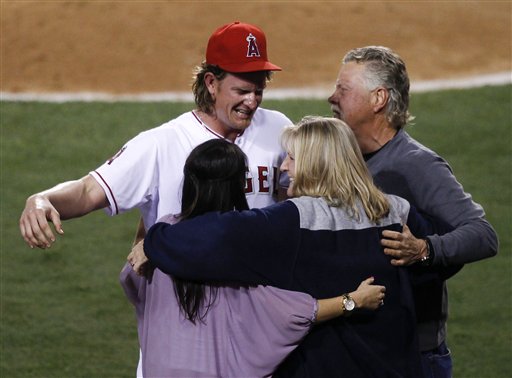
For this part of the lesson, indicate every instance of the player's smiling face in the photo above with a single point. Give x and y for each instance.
(288, 166)
(236, 99)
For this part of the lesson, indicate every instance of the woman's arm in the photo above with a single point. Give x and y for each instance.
(253, 247)
(367, 296)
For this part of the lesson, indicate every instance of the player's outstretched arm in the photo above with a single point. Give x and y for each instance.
(367, 296)
(67, 200)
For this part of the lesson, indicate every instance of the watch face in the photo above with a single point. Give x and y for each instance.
(349, 304)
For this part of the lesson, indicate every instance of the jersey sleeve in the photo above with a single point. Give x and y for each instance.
(267, 324)
(130, 177)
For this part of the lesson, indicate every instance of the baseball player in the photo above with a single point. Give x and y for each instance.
(147, 172)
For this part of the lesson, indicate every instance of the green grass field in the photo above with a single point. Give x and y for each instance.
(63, 313)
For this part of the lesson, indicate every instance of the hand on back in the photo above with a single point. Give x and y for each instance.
(368, 295)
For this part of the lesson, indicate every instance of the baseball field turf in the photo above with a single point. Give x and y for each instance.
(63, 313)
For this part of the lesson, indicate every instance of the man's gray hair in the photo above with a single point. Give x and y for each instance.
(385, 68)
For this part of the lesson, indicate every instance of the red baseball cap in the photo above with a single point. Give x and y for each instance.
(239, 47)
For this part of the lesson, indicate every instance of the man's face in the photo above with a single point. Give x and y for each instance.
(351, 100)
(237, 97)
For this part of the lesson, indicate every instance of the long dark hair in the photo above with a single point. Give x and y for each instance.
(214, 180)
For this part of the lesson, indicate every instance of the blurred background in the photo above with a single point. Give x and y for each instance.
(152, 46)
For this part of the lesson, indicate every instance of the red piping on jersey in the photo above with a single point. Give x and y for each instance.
(110, 190)
(207, 128)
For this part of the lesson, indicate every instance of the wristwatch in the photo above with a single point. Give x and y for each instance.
(347, 304)
(429, 257)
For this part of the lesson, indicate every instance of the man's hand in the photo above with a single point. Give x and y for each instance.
(67, 200)
(34, 219)
(138, 260)
(403, 247)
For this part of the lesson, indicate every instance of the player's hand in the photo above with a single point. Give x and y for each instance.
(369, 296)
(403, 247)
(34, 220)
(138, 260)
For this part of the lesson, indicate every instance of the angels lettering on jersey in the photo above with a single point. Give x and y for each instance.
(264, 182)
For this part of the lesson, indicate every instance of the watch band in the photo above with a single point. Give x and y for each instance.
(429, 257)
(347, 304)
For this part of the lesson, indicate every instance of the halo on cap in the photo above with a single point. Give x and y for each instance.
(239, 47)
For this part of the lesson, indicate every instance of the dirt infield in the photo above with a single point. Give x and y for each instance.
(131, 47)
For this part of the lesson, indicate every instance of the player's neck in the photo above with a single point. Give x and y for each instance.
(213, 124)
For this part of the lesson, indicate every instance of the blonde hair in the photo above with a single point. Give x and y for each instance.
(329, 164)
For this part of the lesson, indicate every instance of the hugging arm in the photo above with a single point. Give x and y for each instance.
(367, 296)
(411, 245)
(462, 234)
(250, 247)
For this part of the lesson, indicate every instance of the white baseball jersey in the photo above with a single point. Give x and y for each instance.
(147, 173)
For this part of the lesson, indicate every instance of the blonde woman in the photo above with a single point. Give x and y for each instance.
(326, 237)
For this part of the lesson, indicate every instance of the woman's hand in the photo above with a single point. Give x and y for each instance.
(369, 296)
(138, 260)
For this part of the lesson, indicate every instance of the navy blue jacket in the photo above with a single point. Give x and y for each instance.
(305, 245)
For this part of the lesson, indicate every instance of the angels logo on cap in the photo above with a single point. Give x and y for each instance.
(252, 47)
(239, 47)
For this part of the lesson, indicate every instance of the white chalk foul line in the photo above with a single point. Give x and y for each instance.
(319, 92)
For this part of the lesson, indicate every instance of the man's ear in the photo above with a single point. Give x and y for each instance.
(380, 98)
(209, 80)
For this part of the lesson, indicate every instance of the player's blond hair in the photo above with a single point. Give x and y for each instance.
(329, 164)
(202, 97)
(204, 100)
